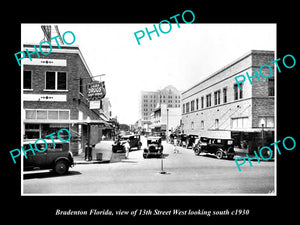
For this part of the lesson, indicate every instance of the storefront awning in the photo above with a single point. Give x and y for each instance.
(251, 130)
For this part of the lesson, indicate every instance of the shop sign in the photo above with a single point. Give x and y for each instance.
(96, 91)
(95, 104)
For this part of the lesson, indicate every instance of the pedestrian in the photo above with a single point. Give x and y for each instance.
(127, 148)
(175, 149)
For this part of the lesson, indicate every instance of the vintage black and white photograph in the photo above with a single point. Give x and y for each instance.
(170, 108)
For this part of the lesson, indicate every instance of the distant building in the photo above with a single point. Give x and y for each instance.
(217, 107)
(164, 119)
(149, 100)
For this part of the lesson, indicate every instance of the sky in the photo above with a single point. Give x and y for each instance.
(181, 58)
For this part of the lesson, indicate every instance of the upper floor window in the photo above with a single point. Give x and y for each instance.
(224, 95)
(56, 81)
(27, 80)
(187, 108)
(217, 97)
(192, 105)
(271, 91)
(208, 100)
(238, 93)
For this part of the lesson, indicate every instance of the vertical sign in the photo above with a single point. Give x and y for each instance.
(96, 92)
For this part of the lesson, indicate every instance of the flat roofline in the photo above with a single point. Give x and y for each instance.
(62, 49)
(229, 65)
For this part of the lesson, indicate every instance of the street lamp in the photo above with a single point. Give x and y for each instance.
(167, 128)
(263, 123)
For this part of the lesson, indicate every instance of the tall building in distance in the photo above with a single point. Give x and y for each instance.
(149, 100)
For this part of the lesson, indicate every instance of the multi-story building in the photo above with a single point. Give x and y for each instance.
(54, 96)
(165, 119)
(217, 107)
(151, 99)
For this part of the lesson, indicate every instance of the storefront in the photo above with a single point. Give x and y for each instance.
(55, 96)
(252, 140)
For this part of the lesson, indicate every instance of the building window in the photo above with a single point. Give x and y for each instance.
(197, 103)
(192, 105)
(235, 89)
(56, 81)
(27, 79)
(32, 131)
(271, 91)
(238, 92)
(81, 85)
(241, 90)
(224, 95)
(187, 107)
(202, 125)
(268, 121)
(183, 108)
(241, 122)
(192, 125)
(216, 123)
(217, 97)
(50, 80)
(44, 114)
(41, 114)
(202, 102)
(208, 100)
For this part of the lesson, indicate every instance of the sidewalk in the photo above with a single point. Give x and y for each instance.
(104, 147)
(242, 153)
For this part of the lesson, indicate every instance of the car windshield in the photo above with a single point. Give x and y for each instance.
(230, 142)
(154, 141)
(203, 139)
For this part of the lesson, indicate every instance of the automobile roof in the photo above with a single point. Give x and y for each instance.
(153, 137)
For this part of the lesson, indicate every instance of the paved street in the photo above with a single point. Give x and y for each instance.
(185, 174)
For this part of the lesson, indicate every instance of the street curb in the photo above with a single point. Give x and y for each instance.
(91, 162)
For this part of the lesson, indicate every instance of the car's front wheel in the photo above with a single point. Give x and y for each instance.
(219, 154)
(197, 151)
(145, 155)
(61, 167)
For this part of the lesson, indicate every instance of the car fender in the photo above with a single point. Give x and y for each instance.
(220, 149)
(62, 158)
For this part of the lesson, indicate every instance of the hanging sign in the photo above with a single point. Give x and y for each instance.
(96, 91)
(95, 104)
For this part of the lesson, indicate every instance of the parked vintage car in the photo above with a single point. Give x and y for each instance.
(134, 141)
(118, 147)
(217, 146)
(154, 147)
(191, 139)
(59, 158)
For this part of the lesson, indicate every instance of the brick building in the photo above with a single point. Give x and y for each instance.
(55, 96)
(217, 107)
